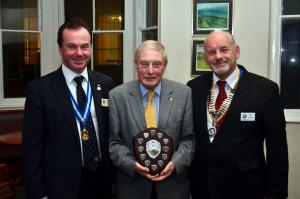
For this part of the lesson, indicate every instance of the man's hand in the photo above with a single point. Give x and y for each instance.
(164, 174)
(144, 171)
(168, 170)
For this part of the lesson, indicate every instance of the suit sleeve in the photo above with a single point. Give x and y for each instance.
(32, 143)
(183, 156)
(276, 147)
(119, 153)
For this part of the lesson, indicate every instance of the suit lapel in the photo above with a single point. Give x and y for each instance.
(166, 103)
(97, 92)
(61, 91)
(202, 109)
(136, 104)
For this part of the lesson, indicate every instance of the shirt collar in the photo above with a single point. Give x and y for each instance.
(69, 75)
(231, 80)
(144, 90)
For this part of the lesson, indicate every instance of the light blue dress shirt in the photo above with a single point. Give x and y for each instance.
(155, 99)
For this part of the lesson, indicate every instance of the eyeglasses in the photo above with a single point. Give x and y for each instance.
(155, 64)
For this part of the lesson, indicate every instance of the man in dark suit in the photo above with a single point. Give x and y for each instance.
(172, 104)
(235, 113)
(65, 146)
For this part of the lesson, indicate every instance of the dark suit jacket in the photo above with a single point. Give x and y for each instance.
(51, 144)
(234, 165)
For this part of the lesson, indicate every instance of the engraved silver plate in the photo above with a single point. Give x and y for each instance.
(159, 135)
(166, 149)
(140, 148)
(154, 167)
(166, 140)
(153, 148)
(147, 163)
(160, 162)
(164, 156)
(143, 156)
(140, 140)
(152, 131)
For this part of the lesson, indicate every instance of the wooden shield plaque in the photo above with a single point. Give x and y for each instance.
(153, 149)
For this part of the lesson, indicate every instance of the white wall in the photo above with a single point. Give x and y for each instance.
(251, 30)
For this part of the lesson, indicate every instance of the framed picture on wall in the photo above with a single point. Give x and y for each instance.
(199, 67)
(210, 15)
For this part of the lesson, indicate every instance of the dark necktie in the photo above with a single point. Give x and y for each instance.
(89, 143)
(220, 99)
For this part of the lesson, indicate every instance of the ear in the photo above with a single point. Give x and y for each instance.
(164, 68)
(237, 51)
(205, 58)
(59, 50)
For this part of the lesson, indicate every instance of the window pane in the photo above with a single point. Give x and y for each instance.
(149, 35)
(19, 14)
(81, 9)
(109, 15)
(21, 61)
(108, 55)
(291, 7)
(290, 63)
(151, 13)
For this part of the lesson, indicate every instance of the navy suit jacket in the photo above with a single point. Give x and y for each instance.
(51, 144)
(234, 165)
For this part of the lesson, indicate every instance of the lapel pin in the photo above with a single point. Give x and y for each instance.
(98, 87)
(170, 99)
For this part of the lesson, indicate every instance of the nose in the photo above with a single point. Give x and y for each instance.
(218, 54)
(79, 51)
(150, 68)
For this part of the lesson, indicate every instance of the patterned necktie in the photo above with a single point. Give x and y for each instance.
(220, 99)
(150, 115)
(89, 143)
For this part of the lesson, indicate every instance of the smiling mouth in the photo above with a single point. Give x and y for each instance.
(78, 61)
(219, 64)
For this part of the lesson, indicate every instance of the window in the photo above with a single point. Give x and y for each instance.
(28, 31)
(108, 38)
(107, 20)
(285, 57)
(20, 41)
(147, 19)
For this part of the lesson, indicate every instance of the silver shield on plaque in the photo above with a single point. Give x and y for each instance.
(142, 156)
(154, 167)
(147, 163)
(140, 148)
(140, 140)
(153, 148)
(164, 156)
(160, 162)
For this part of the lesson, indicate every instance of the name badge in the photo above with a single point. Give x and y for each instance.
(104, 102)
(247, 117)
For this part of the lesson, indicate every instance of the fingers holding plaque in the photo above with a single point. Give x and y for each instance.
(153, 149)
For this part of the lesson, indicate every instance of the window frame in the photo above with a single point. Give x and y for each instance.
(141, 20)
(48, 62)
(16, 102)
(291, 115)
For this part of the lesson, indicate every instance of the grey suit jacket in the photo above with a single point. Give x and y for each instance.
(127, 119)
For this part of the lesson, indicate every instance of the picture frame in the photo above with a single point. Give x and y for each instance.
(210, 15)
(199, 67)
